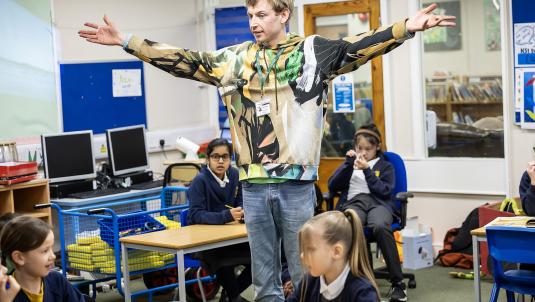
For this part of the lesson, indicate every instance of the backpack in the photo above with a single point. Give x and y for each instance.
(457, 249)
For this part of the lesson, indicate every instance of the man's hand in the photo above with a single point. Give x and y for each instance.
(106, 34)
(361, 163)
(237, 213)
(531, 172)
(8, 294)
(424, 19)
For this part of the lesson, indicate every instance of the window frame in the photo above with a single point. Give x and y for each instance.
(448, 175)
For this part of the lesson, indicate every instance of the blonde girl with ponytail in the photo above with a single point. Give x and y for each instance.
(335, 256)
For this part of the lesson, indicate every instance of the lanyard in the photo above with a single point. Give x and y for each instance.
(269, 68)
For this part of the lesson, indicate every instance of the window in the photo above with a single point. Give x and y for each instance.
(340, 126)
(463, 82)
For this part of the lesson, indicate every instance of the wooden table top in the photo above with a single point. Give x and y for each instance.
(189, 236)
(479, 232)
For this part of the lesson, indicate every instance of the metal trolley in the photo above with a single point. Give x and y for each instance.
(90, 237)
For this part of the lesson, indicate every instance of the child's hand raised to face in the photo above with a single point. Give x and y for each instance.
(531, 171)
(9, 287)
(361, 163)
(351, 153)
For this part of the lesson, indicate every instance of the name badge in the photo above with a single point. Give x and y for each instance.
(263, 107)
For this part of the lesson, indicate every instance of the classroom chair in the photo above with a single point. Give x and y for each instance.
(206, 286)
(401, 197)
(180, 174)
(211, 284)
(511, 245)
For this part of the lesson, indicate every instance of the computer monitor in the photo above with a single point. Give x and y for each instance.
(127, 150)
(68, 156)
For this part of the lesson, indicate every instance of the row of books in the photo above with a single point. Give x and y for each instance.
(515, 221)
(479, 90)
(483, 92)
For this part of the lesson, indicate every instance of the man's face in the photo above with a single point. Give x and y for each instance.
(264, 23)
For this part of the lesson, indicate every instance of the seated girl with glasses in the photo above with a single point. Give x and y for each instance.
(215, 198)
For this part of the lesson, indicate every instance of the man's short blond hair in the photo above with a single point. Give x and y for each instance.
(278, 6)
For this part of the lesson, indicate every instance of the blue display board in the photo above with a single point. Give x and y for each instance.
(523, 27)
(231, 28)
(87, 97)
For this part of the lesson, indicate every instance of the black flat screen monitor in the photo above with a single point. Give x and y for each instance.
(127, 150)
(68, 156)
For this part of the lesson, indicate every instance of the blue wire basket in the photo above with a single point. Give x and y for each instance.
(128, 226)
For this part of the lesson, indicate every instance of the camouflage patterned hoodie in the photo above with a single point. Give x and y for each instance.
(285, 143)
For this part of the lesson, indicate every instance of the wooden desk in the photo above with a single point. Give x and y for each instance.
(478, 235)
(185, 240)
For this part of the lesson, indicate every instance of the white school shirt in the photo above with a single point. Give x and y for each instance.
(333, 290)
(222, 182)
(358, 183)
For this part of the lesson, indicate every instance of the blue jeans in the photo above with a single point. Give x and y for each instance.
(275, 212)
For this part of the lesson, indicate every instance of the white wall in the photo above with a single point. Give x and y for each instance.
(171, 102)
(472, 58)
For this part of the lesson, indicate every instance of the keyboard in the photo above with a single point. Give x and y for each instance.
(98, 193)
(147, 185)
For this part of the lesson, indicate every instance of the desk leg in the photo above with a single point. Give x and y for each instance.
(181, 276)
(477, 277)
(126, 274)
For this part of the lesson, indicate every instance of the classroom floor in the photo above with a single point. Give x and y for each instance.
(433, 285)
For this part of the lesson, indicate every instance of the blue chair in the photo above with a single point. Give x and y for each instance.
(400, 197)
(198, 287)
(511, 245)
(194, 263)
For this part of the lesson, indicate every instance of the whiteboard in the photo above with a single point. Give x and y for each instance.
(28, 97)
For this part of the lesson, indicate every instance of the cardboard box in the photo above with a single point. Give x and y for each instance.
(417, 245)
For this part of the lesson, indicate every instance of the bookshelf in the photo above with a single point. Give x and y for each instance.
(20, 198)
(462, 96)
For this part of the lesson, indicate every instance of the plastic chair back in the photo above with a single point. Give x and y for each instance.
(511, 244)
(180, 174)
(184, 217)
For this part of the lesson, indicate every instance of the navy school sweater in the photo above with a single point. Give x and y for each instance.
(55, 289)
(207, 199)
(527, 195)
(381, 180)
(355, 290)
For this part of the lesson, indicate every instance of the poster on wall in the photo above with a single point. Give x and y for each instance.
(524, 93)
(126, 82)
(344, 99)
(444, 38)
(524, 48)
(524, 38)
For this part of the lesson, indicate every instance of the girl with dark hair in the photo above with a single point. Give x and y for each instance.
(27, 252)
(215, 198)
(333, 251)
(365, 181)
